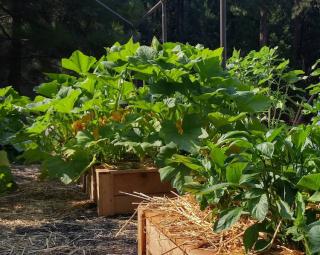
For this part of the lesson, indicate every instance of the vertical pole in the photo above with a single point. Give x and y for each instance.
(223, 32)
(164, 21)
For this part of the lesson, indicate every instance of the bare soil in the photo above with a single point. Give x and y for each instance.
(47, 217)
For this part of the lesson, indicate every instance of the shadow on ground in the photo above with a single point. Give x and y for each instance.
(46, 217)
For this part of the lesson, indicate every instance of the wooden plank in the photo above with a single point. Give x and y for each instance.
(145, 182)
(141, 232)
(105, 196)
(117, 171)
(93, 185)
(157, 243)
(88, 184)
(140, 180)
(83, 182)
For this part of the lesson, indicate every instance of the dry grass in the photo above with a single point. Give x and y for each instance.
(181, 219)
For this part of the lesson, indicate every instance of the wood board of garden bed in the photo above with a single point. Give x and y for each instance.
(109, 186)
(178, 227)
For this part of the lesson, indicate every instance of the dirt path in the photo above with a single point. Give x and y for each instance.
(50, 218)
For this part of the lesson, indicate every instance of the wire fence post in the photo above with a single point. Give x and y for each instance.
(223, 32)
(164, 21)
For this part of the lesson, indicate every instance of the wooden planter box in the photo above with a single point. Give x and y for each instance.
(152, 240)
(89, 185)
(155, 239)
(110, 183)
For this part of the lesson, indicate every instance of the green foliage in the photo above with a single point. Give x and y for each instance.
(265, 70)
(6, 178)
(218, 134)
(78, 62)
(313, 105)
(102, 114)
(13, 118)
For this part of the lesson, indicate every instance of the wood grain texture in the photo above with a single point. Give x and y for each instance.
(105, 196)
(113, 182)
(93, 185)
(156, 241)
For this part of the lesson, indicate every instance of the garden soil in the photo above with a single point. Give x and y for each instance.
(47, 217)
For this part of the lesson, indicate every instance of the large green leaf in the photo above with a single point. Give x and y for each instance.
(4, 159)
(165, 153)
(315, 197)
(145, 53)
(310, 182)
(299, 137)
(88, 84)
(4, 91)
(209, 64)
(228, 218)
(49, 89)
(284, 209)
(66, 104)
(34, 155)
(215, 187)
(259, 207)
(84, 138)
(187, 138)
(273, 133)
(79, 62)
(168, 173)
(40, 104)
(249, 102)
(6, 178)
(266, 149)
(218, 119)
(251, 235)
(300, 210)
(313, 236)
(218, 155)
(234, 171)
(189, 162)
(68, 170)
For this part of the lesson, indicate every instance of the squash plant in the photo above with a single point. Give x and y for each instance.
(13, 118)
(86, 119)
(96, 113)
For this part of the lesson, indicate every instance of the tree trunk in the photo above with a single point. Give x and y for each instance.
(263, 39)
(15, 53)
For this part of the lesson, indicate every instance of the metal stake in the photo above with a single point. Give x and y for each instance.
(164, 21)
(223, 32)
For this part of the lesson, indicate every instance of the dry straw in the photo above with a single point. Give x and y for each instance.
(182, 219)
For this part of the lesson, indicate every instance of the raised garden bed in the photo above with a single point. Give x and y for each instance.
(89, 184)
(178, 227)
(112, 184)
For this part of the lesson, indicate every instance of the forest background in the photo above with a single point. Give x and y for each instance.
(35, 35)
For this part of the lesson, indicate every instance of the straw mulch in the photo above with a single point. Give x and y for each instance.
(51, 218)
(181, 219)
